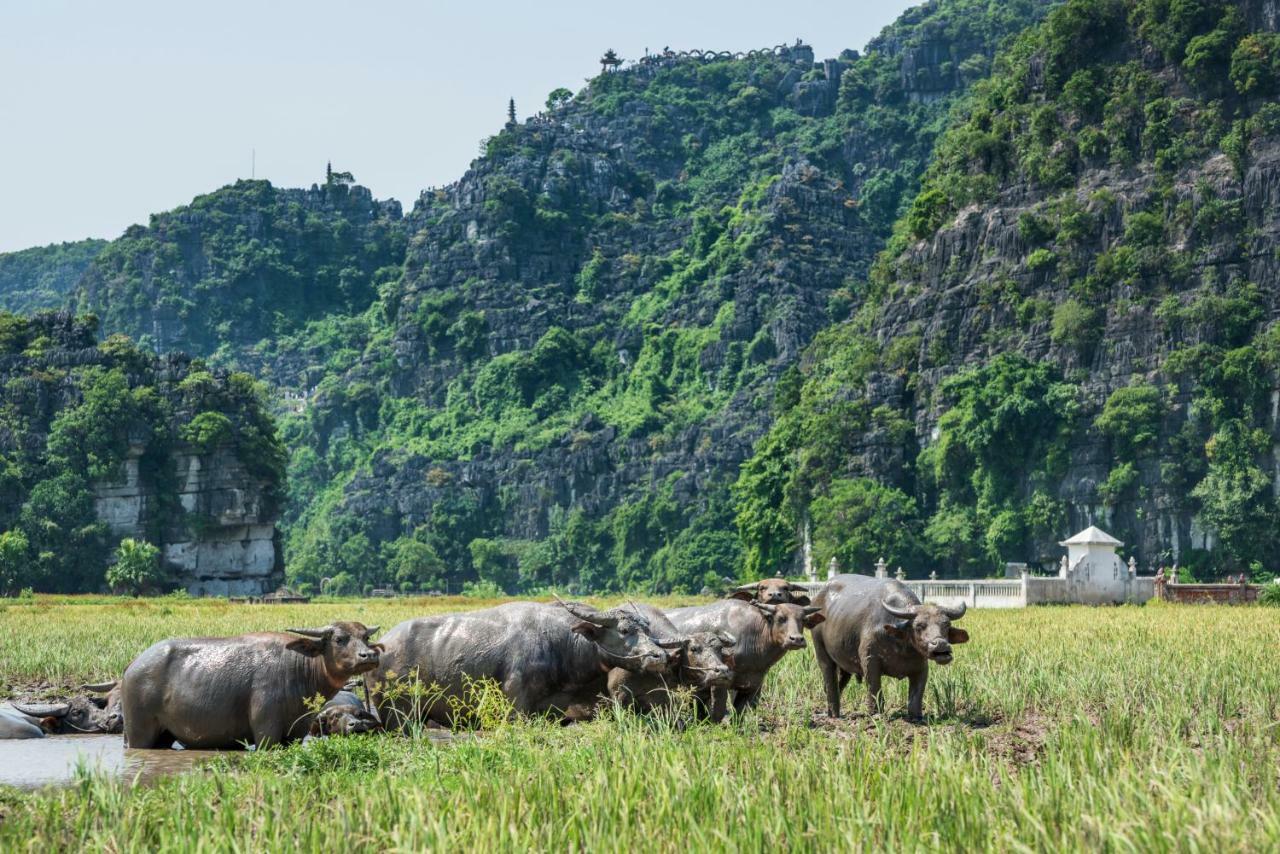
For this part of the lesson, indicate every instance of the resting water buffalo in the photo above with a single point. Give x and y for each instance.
(546, 658)
(344, 714)
(222, 692)
(763, 634)
(772, 591)
(700, 664)
(14, 724)
(875, 628)
(80, 714)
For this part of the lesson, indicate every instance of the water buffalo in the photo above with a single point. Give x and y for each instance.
(763, 634)
(80, 714)
(344, 714)
(772, 591)
(546, 659)
(213, 693)
(702, 663)
(876, 627)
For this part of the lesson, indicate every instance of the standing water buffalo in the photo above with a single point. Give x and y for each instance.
(703, 663)
(875, 628)
(545, 658)
(763, 634)
(222, 692)
(772, 591)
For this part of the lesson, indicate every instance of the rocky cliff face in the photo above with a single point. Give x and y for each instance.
(226, 544)
(1108, 215)
(245, 263)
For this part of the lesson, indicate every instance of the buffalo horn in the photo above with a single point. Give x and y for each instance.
(318, 634)
(769, 610)
(671, 643)
(100, 687)
(954, 613)
(371, 631)
(905, 613)
(43, 710)
(588, 614)
(726, 638)
(748, 588)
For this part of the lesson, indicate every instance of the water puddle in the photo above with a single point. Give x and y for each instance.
(37, 762)
(52, 761)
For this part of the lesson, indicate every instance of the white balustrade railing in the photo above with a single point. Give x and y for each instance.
(979, 593)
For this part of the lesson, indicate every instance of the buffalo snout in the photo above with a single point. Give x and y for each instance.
(794, 642)
(656, 662)
(940, 651)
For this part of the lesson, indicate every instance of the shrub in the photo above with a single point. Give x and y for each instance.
(1075, 324)
(137, 567)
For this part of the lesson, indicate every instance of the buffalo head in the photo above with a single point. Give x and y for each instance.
(772, 591)
(927, 628)
(624, 637)
(344, 720)
(80, 714)
(709, 657)
(345, 649)
(788, 621)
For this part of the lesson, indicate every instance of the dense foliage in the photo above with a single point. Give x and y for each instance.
(72, 409)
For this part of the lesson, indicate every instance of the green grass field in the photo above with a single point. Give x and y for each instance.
(1125, 729)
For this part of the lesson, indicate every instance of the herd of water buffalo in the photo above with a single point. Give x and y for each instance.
(560, 659)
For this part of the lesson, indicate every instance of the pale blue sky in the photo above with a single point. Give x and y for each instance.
(112, 110)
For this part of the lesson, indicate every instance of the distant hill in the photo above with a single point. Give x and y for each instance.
(44, 277)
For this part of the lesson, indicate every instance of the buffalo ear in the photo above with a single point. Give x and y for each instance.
(744, 595)
(897, 630)
(305, 646)
(100, 702)
(955, 636)
(587, 630)
(813, 619)
(727, 658)
(800, 599)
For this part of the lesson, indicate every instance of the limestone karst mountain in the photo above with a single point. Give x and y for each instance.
(1074, 323)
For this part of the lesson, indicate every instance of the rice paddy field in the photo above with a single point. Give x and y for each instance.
(1115, 729)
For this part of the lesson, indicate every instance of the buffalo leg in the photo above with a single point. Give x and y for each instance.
(875, 699)
(915, 694)
(719, 704)
(268, 729)
(746, 698)
(143, 734)
(831, 676)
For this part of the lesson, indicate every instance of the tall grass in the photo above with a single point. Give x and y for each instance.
(1124, 729)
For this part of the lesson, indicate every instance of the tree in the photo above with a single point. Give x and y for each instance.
(137, 567)
(414, 563)
(1235, 496)
(13, 561)
(558, 98)
(858, 521)
(494, 563)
